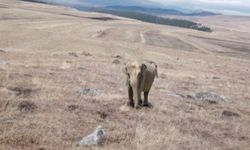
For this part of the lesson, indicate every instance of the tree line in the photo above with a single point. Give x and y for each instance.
(155, 19)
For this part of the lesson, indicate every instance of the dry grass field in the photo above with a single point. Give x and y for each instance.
(49, 54)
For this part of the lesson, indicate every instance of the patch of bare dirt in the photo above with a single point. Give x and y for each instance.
(2, 51)
(26, 107)
(72, 108)
(21, 91)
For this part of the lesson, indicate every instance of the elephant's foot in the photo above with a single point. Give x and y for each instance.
(131, 104)
(137, 107)
(149, 105)
(146, 104)
(140, 103)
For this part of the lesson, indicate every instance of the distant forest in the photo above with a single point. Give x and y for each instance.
(155, 19)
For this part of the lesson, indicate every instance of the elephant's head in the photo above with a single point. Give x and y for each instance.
(135, 74)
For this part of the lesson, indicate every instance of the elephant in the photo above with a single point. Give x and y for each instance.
(140, 77)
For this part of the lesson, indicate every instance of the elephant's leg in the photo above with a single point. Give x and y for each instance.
(140, 102)
(137, 97)
(145, 103)
(130, 95)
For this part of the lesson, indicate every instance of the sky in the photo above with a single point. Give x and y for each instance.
(229, 7)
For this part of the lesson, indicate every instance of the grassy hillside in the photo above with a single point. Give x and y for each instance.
(61, 76)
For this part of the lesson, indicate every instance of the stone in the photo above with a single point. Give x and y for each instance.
(211, 97)
(73, 54)
(117, 56)
(94, 139)
(102, 115)
(21, 91)
(73, 107)
(81, 67)
(227, 113)
(116, 61)
(216, 78)
(88, 91)
(26, 106)
(2, 51)
(3, 63)
(86, 54)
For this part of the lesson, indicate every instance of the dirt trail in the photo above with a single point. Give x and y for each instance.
(143, 40)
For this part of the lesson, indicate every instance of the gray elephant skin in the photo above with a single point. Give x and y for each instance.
(140, 77)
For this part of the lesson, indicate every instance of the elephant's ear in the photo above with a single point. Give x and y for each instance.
(143, 68)
(125, 71)
(156, 71)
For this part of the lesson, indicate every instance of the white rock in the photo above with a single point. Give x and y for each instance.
(2, 62)
(125, 108)
(94, 138)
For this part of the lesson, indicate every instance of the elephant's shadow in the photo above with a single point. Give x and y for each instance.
(149, 105)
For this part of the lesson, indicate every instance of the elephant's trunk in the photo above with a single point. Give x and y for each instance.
(136, 97)
(137, 89)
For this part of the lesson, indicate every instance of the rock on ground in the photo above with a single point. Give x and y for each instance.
(116, 61)
(88, 91)
(95, 138)
(208, 96)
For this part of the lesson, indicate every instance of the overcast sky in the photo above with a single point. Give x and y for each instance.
(231, 7)
(224, 6)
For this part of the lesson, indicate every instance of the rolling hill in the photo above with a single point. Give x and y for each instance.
(61, 76)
